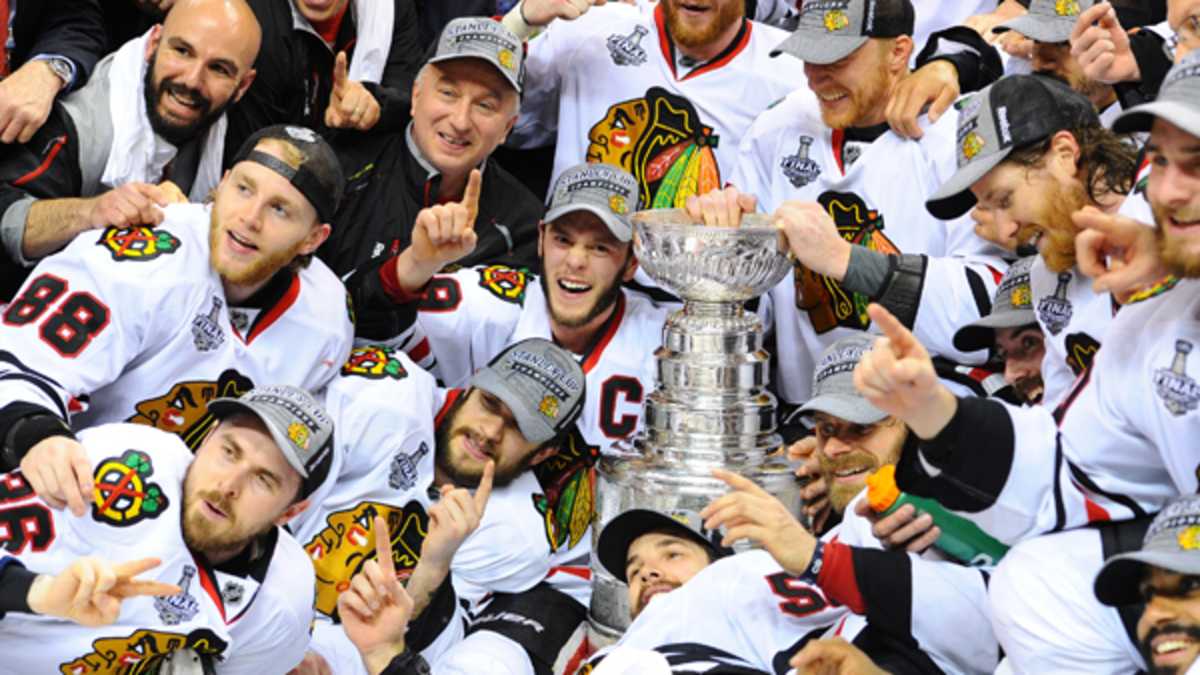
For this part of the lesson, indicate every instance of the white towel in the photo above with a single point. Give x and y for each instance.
(376, 19)
(131, 157)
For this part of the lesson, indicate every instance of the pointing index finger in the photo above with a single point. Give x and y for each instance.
(471, 196)
(132, 568)
(901, 339)
(341, 73)
(383, 547)
(485, 487)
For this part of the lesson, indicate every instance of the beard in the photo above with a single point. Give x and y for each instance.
(642, 601)
(866, 100)
(177, 134)
(210, 538)
(1190, 631)
(606, 299)
(462, 476)
(1174, 253)
(687, 36)
(1030, 389)
(1054, 225)
(257, 271)
(840, 494)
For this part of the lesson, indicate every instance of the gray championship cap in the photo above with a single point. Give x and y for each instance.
(480, 38)
(830, 30)
(620, 533)
(833, 383)
(605, 190)
(540, 383)
(1172, 543)
(1178, 101)
(319, 178)
(300, 426)
(1012, 306)
(1047, 20)
(1013, 113)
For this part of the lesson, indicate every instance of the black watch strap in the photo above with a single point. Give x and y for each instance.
(27, 432)
(409, 662)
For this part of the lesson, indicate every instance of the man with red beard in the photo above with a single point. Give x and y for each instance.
(153, 111)
(1118, 449)
(147, 325)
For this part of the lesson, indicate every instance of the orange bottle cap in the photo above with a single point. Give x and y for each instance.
(882, 491)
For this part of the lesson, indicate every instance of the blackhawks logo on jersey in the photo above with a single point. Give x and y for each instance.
(123, 493)
(340, 550)
(137, 243)
(142, 652)
(828, 304)
(568, 499)
(374, 362)
(661, 140)
(1081, 349)
(183, 410)
(504, 282)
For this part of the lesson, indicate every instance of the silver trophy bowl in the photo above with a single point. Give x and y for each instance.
(710, 264)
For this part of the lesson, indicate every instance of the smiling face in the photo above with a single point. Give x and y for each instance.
(1174, 194)
(660, 562)
(461, 110)
(1169, 629)
(1022, 349)
(584, 266)
(479, 427)
(848, 453)
(238, 486)
(854, 91)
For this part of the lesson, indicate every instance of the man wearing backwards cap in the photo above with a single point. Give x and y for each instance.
(1121, 449)
(1161, 579)
(464, 102)
(215, 520)
(145, 325)
(400, 436)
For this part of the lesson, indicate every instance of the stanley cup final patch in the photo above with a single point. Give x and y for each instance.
(181, 607)
(626, 50)
(1178, 391)
(798, 168)
(206, 328)
(1055, 311)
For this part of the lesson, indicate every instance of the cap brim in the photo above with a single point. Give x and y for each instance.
(981, 334)
(1118, 581)
(532, 427)
(1038, 28)
(954, 197)
(482, 57)
(224, 407)
(819, 47)
(854, 409)
(618, 229)
(619, 534)
(1141, 118)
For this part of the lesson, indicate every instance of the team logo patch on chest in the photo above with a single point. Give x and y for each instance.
(181, 607)
(567, 503)
(1178, 391)
(662, 141)
(123, 493)
(137, 243)
(402, 474)
(183, 409)
(626, 50)
(504, 282)
(1055, 311)
(206, 328)
(142, 652)
(374, 362)
(798, 168)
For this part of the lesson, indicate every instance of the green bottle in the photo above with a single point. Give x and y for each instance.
(961, 539)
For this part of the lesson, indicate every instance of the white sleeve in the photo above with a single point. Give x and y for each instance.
(330, 642)
(278, 646)
(955, 292)
(537, 125)
(484, 652)
(469, 315)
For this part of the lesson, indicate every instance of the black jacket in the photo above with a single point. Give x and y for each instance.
(70, 28)
(386, 187)
(295, 73)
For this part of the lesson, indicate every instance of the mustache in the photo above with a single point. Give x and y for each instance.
(1027, 387)
(186, 93)
(1191, 631)
(220, 501)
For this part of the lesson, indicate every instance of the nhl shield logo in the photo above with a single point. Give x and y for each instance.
(181, 607)
(1055, 312)
(1178, 391)
(626, 50)
(206, 329)
(403, 473)
(799, 169)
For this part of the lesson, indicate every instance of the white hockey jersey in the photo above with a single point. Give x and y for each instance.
(253, 622)
(1074, 319)
(608, 88)
(878, 202)
(132, 324)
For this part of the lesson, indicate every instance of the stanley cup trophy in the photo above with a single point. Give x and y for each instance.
(710, 407)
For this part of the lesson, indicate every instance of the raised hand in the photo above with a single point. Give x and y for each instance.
(720, 208)
(750, 512)
(1101, 46)
(542, 12)
(1120, 254)
(59, 472)
(897, 376)
(375, 609)
(454, 517)
(90, 591)
(933, 86)
(443, 233)
(26, 97)
(351, 106)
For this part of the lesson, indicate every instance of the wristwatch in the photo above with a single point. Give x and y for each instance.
(60, 67)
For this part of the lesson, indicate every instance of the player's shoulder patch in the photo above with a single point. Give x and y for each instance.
(504, 282)
(374, 362)
(124, 495)
(138, 242)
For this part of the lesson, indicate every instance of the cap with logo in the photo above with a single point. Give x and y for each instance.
(319, 176)
(1012, 306)
(620, 533)
(605, 190)
(300, 426)
(833, 383)
(1047, 20)
(540, 382)
(1172, 543)
(474, 37)
(1178, 101)
(830, 30)
(1013, 113)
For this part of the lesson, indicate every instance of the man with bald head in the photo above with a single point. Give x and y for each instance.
(152, 113)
